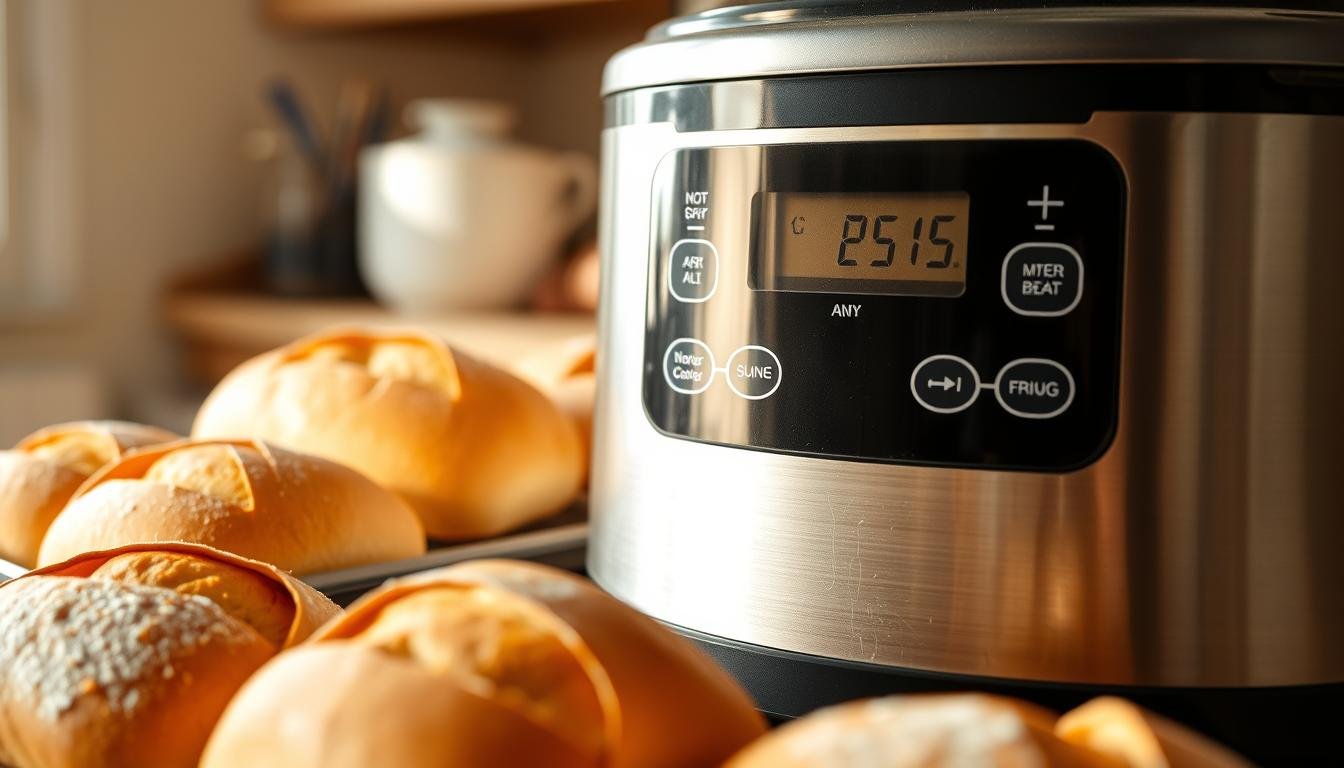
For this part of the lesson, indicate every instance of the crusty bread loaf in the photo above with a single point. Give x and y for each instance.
(45, 469)
(507, 663)
(99, 673)
(297, 512)
(1141, 739)
(921, 731)
(474, 450)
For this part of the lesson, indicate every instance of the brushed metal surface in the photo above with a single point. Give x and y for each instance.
(789, 42)
(1204, 548)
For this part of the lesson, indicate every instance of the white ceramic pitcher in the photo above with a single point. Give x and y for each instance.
(457, 217)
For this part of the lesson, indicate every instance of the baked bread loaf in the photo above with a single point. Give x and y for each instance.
(99, 673)
(1140, 739)
(921, 731)
(507, 664)
(45, 469)
(474, 450)
(300, 513)
(127, 657)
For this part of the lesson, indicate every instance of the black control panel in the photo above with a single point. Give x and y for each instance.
(949, 303)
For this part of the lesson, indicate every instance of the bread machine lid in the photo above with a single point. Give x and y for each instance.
(812, 36)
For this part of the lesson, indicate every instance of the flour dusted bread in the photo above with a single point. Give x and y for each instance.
(98, 673)
(474, 450)
(506, 663)
(297, 512)
(921, 731)
(246, 596)
(45, 469)
(127, 657)
(279, 606)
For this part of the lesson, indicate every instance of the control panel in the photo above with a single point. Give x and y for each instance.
(950, 303)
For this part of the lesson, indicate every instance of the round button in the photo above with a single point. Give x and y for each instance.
(688, 366)
(692, 270)
(945, 384)
(1034, 388)
(1042, 279)
(754, 372)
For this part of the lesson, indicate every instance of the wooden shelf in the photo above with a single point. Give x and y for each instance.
(365, 13)
(222, 329)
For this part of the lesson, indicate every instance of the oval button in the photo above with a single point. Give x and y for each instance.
(945, 384)
(1034, 388)
(688, 366)
(754, 372)
(692, 270)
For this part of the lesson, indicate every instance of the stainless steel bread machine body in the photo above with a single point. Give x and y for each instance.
(1099, 447)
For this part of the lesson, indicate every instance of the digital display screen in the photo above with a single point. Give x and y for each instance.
(900, 243)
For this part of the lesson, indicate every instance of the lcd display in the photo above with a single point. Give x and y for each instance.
(900, 243)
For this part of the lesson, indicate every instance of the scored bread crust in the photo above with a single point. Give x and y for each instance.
(34, 488)
(302, 514)
(97, 673)
(312, 609)
(479, 453)
(663, 703)
(345, 705)
(674, 706)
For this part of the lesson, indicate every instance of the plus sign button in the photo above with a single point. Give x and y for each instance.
(945, 384)
(1043, 279)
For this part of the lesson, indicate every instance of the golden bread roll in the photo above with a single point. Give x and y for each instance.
(45, 469)
(300, 513)
(99, 673)
(1141, 739)
(507, 663)
(921, 731)
(473, 449)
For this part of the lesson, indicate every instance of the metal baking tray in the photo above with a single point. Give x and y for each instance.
(561, 541)
(10, 570)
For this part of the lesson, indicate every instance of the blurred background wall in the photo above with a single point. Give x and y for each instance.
(130, 119)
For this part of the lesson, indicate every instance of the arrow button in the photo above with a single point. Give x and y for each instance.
(945, 384)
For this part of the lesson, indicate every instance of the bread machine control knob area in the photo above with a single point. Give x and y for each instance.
(950, 303)
(692, 270)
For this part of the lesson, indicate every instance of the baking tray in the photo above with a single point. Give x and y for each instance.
(10, 570)
(561, 541)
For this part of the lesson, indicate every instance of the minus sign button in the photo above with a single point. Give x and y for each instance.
(702, 229)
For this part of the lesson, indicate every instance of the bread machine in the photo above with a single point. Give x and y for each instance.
(970, 346)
